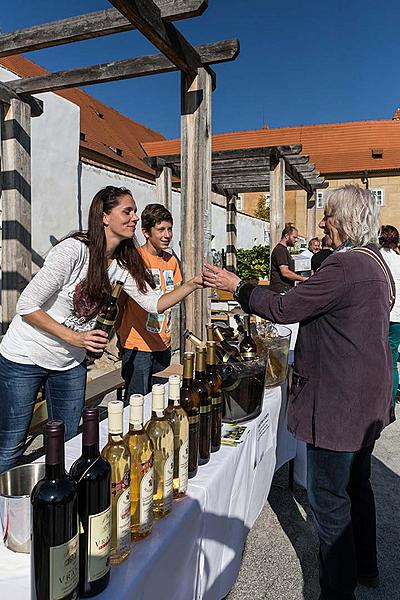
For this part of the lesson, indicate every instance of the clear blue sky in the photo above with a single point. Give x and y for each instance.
(301, 61)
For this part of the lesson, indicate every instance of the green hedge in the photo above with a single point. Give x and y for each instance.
(253, 263)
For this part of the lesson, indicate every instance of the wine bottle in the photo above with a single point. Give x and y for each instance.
(239, 324)
(197, 342)
(55, 535)
(190, 402)
(107, 316)
(247, 347)
(230, 352)
(178, 420)
(142, 470)
(210, 332)
(215, 382)
(117, 453)
(161, 434)
(92, 474)
(201, 385)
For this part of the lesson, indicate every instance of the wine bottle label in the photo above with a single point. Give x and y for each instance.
(248, 355)
(183, 466)
(168, 482)
(64, 568)
(124, 516)
(217, 400)
(146, 496)
(205, 409)
(193, 419)
(99, 544)
(107, 322)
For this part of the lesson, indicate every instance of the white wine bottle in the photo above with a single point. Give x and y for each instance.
(142, 470)
(179, 422)
(161, 434)
(117, 453)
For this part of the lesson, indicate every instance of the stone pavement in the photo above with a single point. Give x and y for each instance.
(280, 558)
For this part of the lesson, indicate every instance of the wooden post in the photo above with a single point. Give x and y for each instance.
(195, 192)
(311, 217)
(16, 205)
(231, 233)
(277, 199)
(164, 187)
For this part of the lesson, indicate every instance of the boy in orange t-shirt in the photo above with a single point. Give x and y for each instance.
(146, 337)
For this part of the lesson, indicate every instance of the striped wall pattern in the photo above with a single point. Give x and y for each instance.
(16, 261)
(231, 234)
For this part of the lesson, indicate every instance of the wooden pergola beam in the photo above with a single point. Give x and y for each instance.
(297, 177)
(83, 27)
(7, 94)
(147, 18)
(252, 176)
(153, 64)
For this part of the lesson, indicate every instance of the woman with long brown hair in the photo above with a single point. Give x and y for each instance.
(47, 340)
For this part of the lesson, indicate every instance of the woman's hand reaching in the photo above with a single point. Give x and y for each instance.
(215, 277)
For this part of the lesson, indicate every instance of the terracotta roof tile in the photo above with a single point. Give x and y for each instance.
(101, 134)
(333, 147)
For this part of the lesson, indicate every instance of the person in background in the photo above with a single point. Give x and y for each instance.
(313, 248)
(47, 340)
(282, 265)
(340, 400)
(145, 337)
(318, 258)
(389, 241)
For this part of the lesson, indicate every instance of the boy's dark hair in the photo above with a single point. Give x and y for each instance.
(389, 237)
(154, 214)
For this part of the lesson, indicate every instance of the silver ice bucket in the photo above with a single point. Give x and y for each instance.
(16, 486)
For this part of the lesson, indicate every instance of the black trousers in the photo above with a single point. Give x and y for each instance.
(343, 506)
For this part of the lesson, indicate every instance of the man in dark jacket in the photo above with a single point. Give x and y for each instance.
(340, 399)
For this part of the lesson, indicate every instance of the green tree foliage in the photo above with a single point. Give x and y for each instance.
(262, 211)
(253, 263)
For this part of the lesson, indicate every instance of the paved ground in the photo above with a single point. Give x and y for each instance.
(280, 558)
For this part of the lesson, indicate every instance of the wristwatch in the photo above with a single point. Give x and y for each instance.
(239, 286)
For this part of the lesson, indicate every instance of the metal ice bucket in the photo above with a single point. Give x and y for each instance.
(16, 486)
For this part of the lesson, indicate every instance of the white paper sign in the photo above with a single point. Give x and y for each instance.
(264, 438)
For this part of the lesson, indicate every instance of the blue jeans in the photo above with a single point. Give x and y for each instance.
(394, 343)
(138, 368)
(343, 506)
(19, 385)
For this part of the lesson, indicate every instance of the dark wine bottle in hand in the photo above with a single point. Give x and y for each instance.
(107, 316)
(92, 474)
(55, 536)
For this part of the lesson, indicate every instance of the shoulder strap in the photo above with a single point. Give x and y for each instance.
(389, 277)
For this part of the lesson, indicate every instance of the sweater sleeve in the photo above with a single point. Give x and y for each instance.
(318, 295)
(148, 301)
(51, 278)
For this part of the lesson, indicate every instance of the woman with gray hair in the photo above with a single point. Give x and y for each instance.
(340, 396)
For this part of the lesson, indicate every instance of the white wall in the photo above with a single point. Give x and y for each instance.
(55, 159)
(62, 187)
(250, 230)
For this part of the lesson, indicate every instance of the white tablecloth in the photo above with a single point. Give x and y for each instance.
(195, 552)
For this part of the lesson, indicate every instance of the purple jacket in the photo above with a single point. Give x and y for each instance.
(340, 396)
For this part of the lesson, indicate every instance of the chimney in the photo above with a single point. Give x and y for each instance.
(396, 114)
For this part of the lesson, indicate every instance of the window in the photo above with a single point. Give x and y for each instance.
(380, 196)
(239, 202)
(320, 199)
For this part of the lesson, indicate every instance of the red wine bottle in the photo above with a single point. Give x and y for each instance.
(55, 536)
(92, 474)
(107, 316)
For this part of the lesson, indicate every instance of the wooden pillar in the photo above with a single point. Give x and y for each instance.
(311, 216)
(164, 187)
(277, 199)
(16, 205)
(195, 192)
(231, 233)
